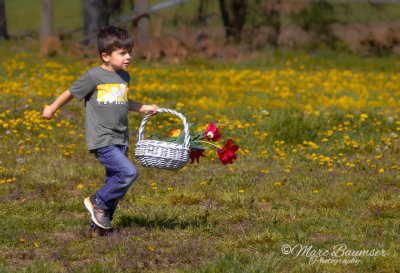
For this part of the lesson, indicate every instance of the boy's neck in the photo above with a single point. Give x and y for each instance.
(108, 67)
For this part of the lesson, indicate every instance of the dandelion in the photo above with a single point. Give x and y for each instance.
(315, 191)
(203, 183)
(241, 191)
(22, 240)
(150, 248)
(381, 170)
(80, 186)
(170, 189)
(36, 244)
(20, 160)
(153, 184)
(349, 184)
(277, 183)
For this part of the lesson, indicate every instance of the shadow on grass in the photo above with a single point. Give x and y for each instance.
(161, 220)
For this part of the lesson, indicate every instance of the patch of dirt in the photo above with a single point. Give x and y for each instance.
(184, 43)
(324, 236)
(375, 37)
(262, 205)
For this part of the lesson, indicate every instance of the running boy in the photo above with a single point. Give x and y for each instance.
(105, 90)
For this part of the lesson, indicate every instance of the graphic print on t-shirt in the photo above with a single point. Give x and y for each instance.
(112, 93)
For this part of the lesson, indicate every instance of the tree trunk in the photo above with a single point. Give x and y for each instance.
(143, 24)
(225, 19)
(3, 24)
(239, 8)
(234, 17)
(275, 20)
(200, 12)
(116, 7)
(46, 20)
(95, 16)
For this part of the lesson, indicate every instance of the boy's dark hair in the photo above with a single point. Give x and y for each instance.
(111, 38)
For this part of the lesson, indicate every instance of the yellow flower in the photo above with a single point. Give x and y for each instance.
(151, 249)
(277, 183)
(153, 184)
(22, 240)
(381, 170)
(170, 189)
(315, 191)
(36, 244)
(241, 191)
(349, 184)
(80, 186)
(203, 183)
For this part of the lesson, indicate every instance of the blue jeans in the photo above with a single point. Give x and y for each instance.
(120, 174)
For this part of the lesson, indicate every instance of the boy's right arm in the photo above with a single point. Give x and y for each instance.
(63, 99)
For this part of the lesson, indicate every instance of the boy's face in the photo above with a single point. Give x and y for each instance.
(119, 59)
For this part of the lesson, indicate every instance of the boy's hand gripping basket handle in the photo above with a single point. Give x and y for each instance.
(186, 143)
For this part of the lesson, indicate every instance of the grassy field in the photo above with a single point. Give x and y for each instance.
(318, 167)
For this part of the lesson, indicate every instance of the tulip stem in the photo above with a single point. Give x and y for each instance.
(200, 141)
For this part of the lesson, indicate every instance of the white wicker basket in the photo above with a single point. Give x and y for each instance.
(160, 154)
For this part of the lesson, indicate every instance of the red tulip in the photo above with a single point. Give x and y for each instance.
(174, 133)
(227, 153)
(212, 132)
(195, 154)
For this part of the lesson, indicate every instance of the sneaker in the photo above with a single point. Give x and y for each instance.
(100, 217)
(96, 231)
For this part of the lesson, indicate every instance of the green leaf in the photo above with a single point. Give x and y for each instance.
(195, 145)
(199, 135)
(153, 137)
(171, 139)
(181, 138)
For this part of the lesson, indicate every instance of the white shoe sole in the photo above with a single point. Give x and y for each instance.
(90, 209)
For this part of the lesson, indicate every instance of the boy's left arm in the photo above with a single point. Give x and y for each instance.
(142, 108)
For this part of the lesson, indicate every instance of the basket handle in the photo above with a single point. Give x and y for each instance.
(186, 142)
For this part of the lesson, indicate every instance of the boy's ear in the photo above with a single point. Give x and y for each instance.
(105, 57)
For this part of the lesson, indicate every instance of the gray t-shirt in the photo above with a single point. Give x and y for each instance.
(106, 106)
